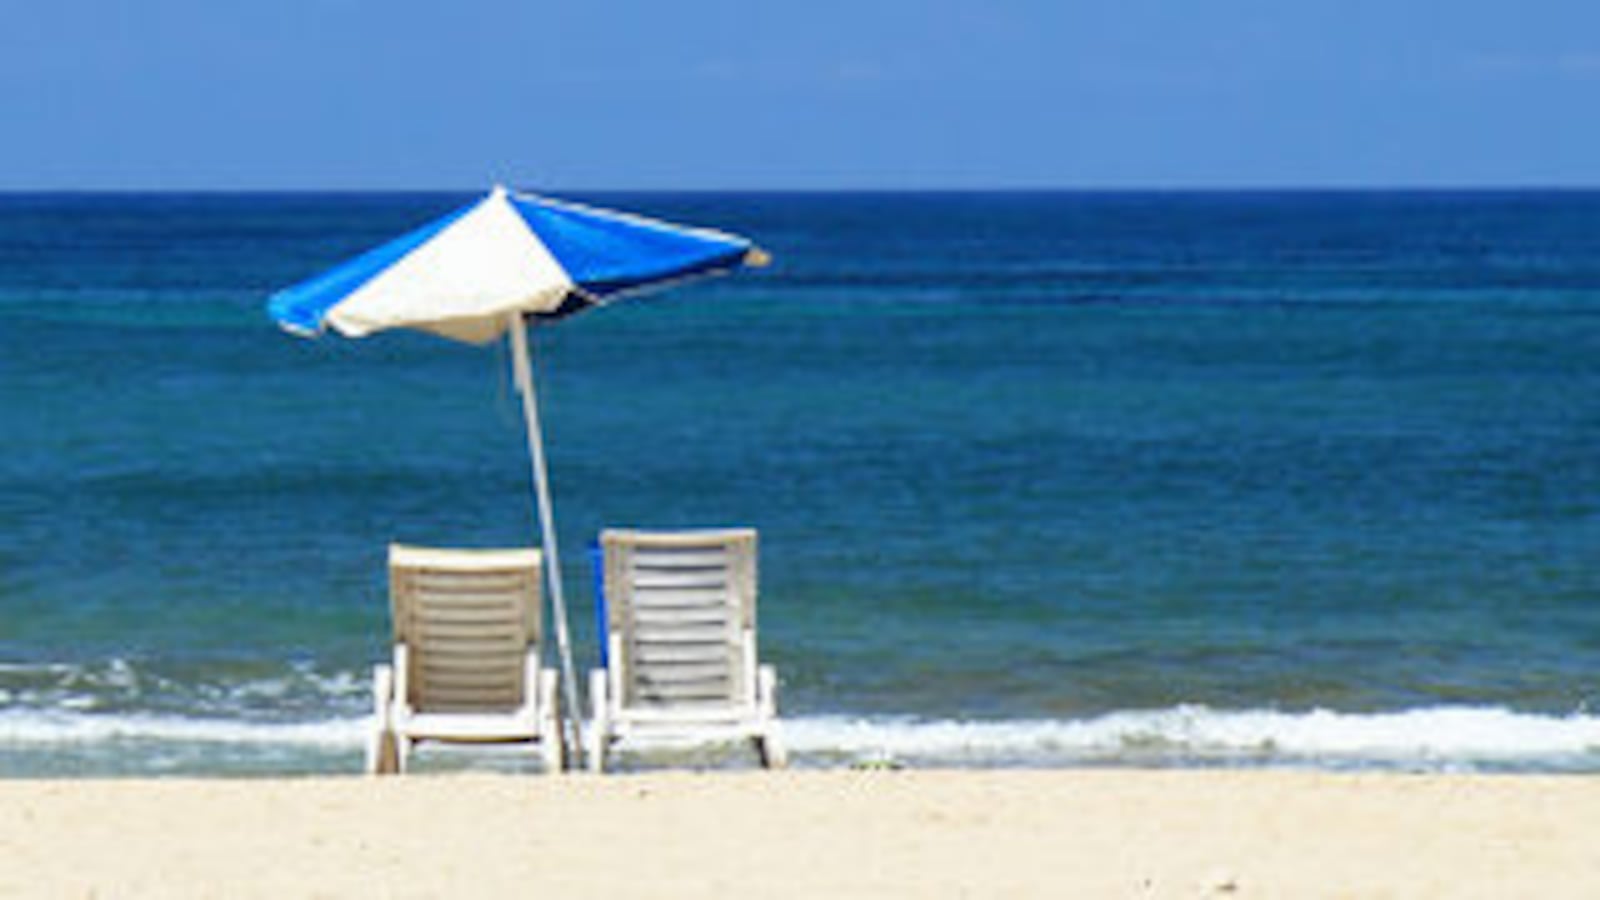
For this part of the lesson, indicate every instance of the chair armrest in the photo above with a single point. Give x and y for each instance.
(401, 694)
(382, 690)
(599, 694)
(767, 691)
(383, 750)
(747, 660)
(531, 694)
(600, 724)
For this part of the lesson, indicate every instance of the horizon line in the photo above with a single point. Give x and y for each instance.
(1485, 188)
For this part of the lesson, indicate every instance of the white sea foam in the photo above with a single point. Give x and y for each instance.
(21, 728)
(1436, 738)
(116, 684)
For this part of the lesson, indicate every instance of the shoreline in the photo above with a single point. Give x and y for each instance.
(1442, 739)
(933, 832)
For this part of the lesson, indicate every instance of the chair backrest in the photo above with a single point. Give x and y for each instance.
(467, 618)
(681, 610)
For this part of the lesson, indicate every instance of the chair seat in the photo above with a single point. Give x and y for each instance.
(470, 727)
(685, 716)
(666, 734)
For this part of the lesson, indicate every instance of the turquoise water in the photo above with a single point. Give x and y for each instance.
(1041, 479)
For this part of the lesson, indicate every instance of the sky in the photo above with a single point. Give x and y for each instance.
(812, 95)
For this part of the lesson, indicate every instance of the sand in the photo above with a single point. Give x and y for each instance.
(808, 834)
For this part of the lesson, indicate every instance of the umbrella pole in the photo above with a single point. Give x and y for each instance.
(522, 362)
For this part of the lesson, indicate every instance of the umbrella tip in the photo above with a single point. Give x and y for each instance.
(756, 258)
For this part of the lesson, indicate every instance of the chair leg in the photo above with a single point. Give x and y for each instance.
(600, 726)
(383, 754)
(770, 750)
(552, 739)
(553, 751)
(769, 743)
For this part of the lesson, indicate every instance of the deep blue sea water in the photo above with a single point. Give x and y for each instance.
(1041, 478)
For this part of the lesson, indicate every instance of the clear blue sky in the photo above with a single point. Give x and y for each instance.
(813, 94)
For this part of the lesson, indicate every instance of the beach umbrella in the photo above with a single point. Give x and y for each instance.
(496, 267)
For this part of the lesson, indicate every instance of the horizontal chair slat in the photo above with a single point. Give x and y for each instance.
(501, 661)
(671, 616)
(688, 558)
(435, 635)
(468, 598)
(471, 705)
(501, 627)
(467, 687)
(711, 643)
(661, 657)
(485, 620)
(681, 592)
(447, 683)
(688, 578)
(647, 539)
(465, 583)
(497, 662)
(443, 637)
(682, 634)
(678, 695)
(674, 672)
(702, 689)
(464, 694)
(460, 697)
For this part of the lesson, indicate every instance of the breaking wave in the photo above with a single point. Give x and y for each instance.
(1430, 739)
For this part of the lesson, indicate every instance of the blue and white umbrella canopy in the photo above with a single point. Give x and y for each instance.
(466, 275)
(490, 269)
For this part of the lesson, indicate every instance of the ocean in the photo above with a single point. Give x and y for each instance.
(1083, 479)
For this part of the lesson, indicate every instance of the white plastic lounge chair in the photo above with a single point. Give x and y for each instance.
(467, 631)
(681, 644)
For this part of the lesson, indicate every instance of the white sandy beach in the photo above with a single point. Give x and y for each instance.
(808, 834)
